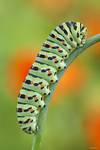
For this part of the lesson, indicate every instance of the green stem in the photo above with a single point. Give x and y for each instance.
(43, 115)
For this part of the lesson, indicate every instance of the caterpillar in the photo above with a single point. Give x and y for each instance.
(61, 42)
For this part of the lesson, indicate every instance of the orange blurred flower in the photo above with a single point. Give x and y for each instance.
(92, 20)
(93, 129)
(73, 80)
(18, 68)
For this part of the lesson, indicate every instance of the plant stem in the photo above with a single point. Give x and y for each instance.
(43, 115)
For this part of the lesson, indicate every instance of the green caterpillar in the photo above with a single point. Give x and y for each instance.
(61, 42)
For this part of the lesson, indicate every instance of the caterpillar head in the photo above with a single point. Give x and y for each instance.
(79, 32)
(83, 33)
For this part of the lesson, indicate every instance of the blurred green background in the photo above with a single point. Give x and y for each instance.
(73, 121)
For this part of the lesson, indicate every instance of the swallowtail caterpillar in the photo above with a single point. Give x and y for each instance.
(61, 42)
